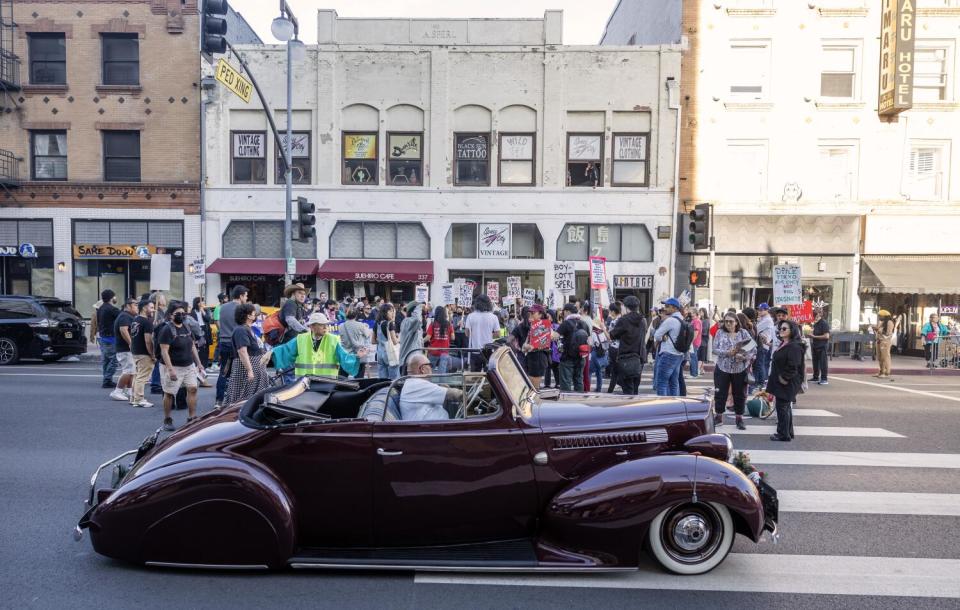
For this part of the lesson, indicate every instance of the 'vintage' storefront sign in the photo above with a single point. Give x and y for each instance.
(633, 281)
(898, 28)
(494, 241)
(81, 251)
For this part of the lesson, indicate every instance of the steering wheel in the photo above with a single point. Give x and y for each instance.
(472, 398)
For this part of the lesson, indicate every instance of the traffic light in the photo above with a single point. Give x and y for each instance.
(700, 226)
(213, 27)
(698, 277)
(305, 219)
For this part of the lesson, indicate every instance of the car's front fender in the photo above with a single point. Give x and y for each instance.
(607, 513)
(208, 510)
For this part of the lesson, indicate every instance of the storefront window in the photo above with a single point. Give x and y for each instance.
(261, 239)
(359, 159)
(461, 241)
(578, 242)
(525, 241)
(383, 240)
(405, 158)
(26, 257)
(471, 159)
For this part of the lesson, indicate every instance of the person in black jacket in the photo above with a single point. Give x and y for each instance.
(786, 376)
(630, 331)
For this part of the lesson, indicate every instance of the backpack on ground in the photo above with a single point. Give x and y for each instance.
(684, 337)
(273, 329)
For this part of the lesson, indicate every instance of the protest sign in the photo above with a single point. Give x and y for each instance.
(493, 291)
(598, 273)
(564, 277)
(786, 285)
(447, 295)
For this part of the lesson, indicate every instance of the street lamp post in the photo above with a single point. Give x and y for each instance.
(286, 28)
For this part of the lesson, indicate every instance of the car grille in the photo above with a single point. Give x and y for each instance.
(610, 439)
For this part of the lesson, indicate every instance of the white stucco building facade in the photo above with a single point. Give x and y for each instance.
(418, 138)
(781, 134)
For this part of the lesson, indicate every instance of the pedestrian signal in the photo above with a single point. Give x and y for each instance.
(698, 277)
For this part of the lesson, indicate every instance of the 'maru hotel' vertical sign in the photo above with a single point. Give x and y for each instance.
(897, 33)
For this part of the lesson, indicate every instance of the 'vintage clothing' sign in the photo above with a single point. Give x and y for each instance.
(249, 145)
(630, 148)
(494, 240)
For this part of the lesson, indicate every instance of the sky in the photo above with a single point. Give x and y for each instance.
(583, 21)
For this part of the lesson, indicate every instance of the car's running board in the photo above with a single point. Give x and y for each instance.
(507, 554)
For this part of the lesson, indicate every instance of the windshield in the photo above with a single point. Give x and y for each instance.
(60, 309)
(516, 382)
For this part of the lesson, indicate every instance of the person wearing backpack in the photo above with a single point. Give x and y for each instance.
(575, 340)
(673, 339)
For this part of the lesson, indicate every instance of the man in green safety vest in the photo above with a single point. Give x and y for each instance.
(317, 352)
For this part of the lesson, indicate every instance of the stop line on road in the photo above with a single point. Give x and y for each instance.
(824, 431)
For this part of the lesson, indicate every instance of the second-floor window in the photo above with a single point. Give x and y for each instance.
(249, 159)
(300, 158)
(745, 173)
(48, 59)
(926, 176)
(405, 158)
(359, 158)
(121, 156)
(471, 165)
(838, 74)
(585, 159)
(48, 160)
(121, 59)
(931, 73)
(630, 166)
(836, 177)
(517, 152)
(749, 70)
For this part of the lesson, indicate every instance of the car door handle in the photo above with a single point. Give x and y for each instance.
(382, 451)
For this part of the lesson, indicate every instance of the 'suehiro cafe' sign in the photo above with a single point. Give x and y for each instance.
(897, 32)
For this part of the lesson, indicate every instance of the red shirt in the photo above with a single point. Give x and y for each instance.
(439, 340)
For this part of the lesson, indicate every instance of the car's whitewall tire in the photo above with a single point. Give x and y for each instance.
(691, 538)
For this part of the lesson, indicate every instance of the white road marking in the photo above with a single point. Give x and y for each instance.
(824, 431)
(872, 502)
(48, 375)
(800, 574)
(897, 388)
(814, 413)
(855, 458)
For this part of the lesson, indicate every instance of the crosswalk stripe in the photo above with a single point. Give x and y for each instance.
(868, 502)
(760, 573)
(814, 413)
(898, 389)
(823, 431)
(855, 458)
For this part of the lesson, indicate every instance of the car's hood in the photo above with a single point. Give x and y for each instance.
(576, 412)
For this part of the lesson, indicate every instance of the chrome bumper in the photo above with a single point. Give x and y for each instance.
(96, 474)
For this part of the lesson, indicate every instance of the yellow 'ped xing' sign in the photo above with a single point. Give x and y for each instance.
(234, 81)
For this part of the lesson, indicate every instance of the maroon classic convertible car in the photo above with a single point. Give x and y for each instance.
(325, 474)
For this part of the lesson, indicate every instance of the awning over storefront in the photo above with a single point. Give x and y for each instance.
(910, 275)
(376, 271)
(266, 266)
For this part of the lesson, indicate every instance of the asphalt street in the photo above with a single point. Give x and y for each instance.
(870, 506)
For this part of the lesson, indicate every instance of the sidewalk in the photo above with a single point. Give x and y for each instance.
(900, 365)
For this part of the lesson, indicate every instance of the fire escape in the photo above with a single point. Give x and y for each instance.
(9, 84)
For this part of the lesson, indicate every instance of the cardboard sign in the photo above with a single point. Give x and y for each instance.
(803, 313)
(598, 273)
(529, 294)
(787, 289)
(160, 272)
(422, 293)
(466, 293)
(447, 295)
(199, 272)
(684, 297)
(493, 291)
(513, 286)
(564, 276)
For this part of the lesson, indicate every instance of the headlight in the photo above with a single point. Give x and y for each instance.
(43, 324)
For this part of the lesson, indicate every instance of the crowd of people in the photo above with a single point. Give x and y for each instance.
(575, 347)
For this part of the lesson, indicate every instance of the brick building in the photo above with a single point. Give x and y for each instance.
(99, 126)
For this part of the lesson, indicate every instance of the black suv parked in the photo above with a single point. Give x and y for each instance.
(39, 327)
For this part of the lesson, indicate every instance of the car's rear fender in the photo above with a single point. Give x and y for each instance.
(608, 512)
(209, 510)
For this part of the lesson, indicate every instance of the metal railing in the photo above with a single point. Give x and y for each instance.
(9, 169)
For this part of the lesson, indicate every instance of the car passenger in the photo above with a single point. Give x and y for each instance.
(421, 399)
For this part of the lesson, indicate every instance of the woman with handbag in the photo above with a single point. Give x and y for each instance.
(388, 343)
(734, 350)
(787, 372)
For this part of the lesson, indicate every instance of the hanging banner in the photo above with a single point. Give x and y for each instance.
(529, 294)
(787, 288)
(564, 277)
(513, 287)
(898, 30)
(598, 273)
(493, 291)
(422, 293)
(447, 294)
(494, 241)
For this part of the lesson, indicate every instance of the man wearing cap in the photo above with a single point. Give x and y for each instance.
(317, 352)
(292, 312)
(766, 331)
(669, 360)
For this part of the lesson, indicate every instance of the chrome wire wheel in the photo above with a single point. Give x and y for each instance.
(691, 538)
(8, 351)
